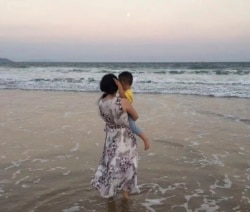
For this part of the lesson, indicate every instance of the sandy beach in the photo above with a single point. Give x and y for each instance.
(51, 143)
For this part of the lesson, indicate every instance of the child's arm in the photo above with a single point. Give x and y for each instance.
(127, 107)
(120, 88)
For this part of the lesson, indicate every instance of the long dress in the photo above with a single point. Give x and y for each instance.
(117, 169)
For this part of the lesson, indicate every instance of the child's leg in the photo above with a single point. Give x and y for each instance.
(145, 140)
(138, 132)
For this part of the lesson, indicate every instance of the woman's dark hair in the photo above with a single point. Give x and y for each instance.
(107, 85)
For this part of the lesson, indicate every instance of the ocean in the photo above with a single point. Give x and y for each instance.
(204, 79)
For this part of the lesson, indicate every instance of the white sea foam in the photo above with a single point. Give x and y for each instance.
(157, 188)
(34, 170)
(74, 149)
(25, 186)
(194, 143)
(196, 194)
(62, 157)
(204, 161)
(236, 208)
(247, 173)
(58, 167)
(245, 199)
(1, 192)
(152, 202)
(21, 180)
(209, 204)
(37, 181)
(17, 163)
(40, 160)
(72, 209)
(66, 173)
(14, 175)
(221, 79)
(225, 183)
(151, 154)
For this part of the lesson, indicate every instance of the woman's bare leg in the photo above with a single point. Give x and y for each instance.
(125, 194)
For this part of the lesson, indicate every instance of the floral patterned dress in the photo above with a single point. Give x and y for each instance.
(118, 165)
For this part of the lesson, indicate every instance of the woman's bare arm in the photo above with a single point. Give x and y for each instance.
(120, 88)
(127, 107)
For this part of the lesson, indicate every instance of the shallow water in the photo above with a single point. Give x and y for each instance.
(51, 143)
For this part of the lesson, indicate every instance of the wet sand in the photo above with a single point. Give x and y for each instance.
(51, 142)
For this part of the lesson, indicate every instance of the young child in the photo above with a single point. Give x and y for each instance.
(124, 87)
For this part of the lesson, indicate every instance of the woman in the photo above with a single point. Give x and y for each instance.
(117, 170)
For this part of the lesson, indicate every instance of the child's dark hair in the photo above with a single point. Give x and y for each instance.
(107, 85)
(126, 77)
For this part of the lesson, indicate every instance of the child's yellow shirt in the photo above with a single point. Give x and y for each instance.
(129, 95)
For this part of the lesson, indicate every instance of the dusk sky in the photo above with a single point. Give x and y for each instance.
(125, 30)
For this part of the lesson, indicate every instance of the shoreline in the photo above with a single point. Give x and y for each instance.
(136, 93)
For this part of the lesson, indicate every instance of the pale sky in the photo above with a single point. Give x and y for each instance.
(125, 30)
